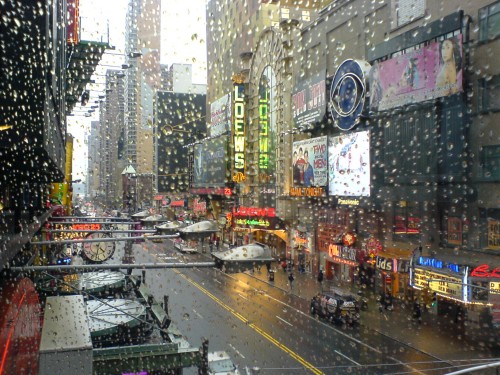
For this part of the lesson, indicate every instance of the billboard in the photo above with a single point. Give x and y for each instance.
(349, 164)
(309, 101)
(310, 165)
(210, 163)
(220, 116)
(428, 73)
(181, 122)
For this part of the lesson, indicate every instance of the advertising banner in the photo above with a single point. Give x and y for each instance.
(220, 116)
(309, 101)
(349, 164)
(210, 163)
(424, 74)
(310, 162)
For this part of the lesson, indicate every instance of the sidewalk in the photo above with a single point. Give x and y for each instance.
(434, 335)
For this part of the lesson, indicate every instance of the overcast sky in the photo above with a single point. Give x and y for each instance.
(183, 41)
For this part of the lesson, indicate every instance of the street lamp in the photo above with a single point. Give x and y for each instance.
(129, 203)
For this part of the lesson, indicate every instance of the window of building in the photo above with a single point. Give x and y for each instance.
(489, 94)
(306, 15)
(490, 162)
(406, 218)
(454, 231)
(489, 22)
(493, 234)
(406, 11)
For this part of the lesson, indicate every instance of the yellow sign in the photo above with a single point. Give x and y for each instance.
(239, 177)
(307, 192)
(442, 284)
(495, 287)
(350, 202)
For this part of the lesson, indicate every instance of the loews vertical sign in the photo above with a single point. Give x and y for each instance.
(239, 128)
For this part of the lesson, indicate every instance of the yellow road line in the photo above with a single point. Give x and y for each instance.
(257, 329)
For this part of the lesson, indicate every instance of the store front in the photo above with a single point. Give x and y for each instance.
(255, 224)
(440, 285)
(484, 296)
(303, 251)
(341, 264)
(392, 272)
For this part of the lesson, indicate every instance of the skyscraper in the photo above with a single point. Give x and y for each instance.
(143, 34)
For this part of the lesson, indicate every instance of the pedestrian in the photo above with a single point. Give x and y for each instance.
(320, 276)
(211, 245)
(417, 311)
(290, 279)
(283, 265)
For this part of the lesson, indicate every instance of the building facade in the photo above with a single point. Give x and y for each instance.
(392, 105)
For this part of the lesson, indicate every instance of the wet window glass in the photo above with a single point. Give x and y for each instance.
(249, 187)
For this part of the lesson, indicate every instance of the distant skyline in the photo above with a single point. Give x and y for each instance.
(183, 32)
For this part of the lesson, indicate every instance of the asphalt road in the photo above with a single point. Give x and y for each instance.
(266, 327)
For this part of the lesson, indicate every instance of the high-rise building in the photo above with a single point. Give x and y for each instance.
(143, 26)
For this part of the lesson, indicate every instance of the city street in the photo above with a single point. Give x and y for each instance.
(261, 324)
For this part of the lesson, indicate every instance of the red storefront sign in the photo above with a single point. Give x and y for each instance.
(484, 271)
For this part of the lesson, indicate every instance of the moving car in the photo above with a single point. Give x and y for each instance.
(337, 306)
(221, 363)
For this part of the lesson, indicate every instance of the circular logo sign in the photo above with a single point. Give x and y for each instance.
(347, 93)
(348, 239)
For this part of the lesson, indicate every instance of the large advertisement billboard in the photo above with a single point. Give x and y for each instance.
(349, 165)
(309, 101)
(220, 116)
(210, 163)
(310, 162)
(428, 73)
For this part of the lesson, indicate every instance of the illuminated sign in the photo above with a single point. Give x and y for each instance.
(259, 222)
(83, 231)
(347, 93)
(349, 202)
(239, 177)
(264, 130)
(435, 263)
(373, 246)
(342, 254)
(239, 127)
(348, 239)
(254, 211)
(385, 264)
(484, 271)
(494, 287)
(307, 192)
(439, 283)
(349, 173)
(228, 191)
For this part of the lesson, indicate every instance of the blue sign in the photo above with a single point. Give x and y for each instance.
(434, 263)
(348, 92)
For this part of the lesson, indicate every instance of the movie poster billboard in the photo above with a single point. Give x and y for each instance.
(220, 116)
(349, 165)
(210, 161)
(433, 71)
(309, 101)
(310, 162)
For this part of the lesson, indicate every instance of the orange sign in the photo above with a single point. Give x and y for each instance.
(239, 177)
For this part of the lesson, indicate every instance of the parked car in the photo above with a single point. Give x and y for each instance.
(221, 363)
(337, 306)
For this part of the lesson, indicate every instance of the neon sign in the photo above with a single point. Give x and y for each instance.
(484, 271)
(254, 211)
(434, 263)
(239, 127)
(264, 131)
(307, 192)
